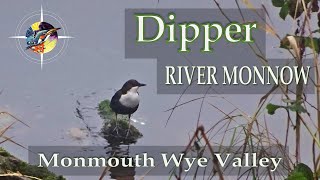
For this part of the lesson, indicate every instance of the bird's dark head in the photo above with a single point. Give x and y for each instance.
(132, 85)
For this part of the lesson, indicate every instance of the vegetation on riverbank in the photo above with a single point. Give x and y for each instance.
(12, 168)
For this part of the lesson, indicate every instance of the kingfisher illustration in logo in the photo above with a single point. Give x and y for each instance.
(41, 37)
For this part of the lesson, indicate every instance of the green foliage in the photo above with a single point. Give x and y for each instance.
(301, 172)
(106, 112)
(42, 173)
(278, 3)
(4, 153)
(290, 7)
(307, 41)
(12, 164)
(272, 108)
(295, 9)
(284, 11)
(295, 106)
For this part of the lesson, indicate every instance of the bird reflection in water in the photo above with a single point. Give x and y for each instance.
(120, 172)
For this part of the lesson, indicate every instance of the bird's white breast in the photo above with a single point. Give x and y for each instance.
(131, 99)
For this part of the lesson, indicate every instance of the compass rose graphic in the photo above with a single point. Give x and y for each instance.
(41, 37)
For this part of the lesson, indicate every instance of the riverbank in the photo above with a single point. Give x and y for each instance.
(12, 168)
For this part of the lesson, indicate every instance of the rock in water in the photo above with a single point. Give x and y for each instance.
(117, 132)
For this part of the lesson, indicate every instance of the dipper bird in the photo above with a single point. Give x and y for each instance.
(126, 100)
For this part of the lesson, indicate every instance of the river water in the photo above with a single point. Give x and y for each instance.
(90, 70)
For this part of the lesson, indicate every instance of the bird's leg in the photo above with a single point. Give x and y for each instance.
(129, 125)
(117, 126)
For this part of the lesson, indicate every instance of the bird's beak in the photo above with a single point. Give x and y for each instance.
(141, 84)
(53, 30)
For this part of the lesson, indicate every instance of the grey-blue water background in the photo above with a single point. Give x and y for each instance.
(94, 65)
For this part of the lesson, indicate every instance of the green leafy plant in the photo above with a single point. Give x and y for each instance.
(307, 42)
(295, 106)
(301, 172)
(290, 7)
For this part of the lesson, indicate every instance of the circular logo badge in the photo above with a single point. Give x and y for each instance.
(39, 42)
(42, 37)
